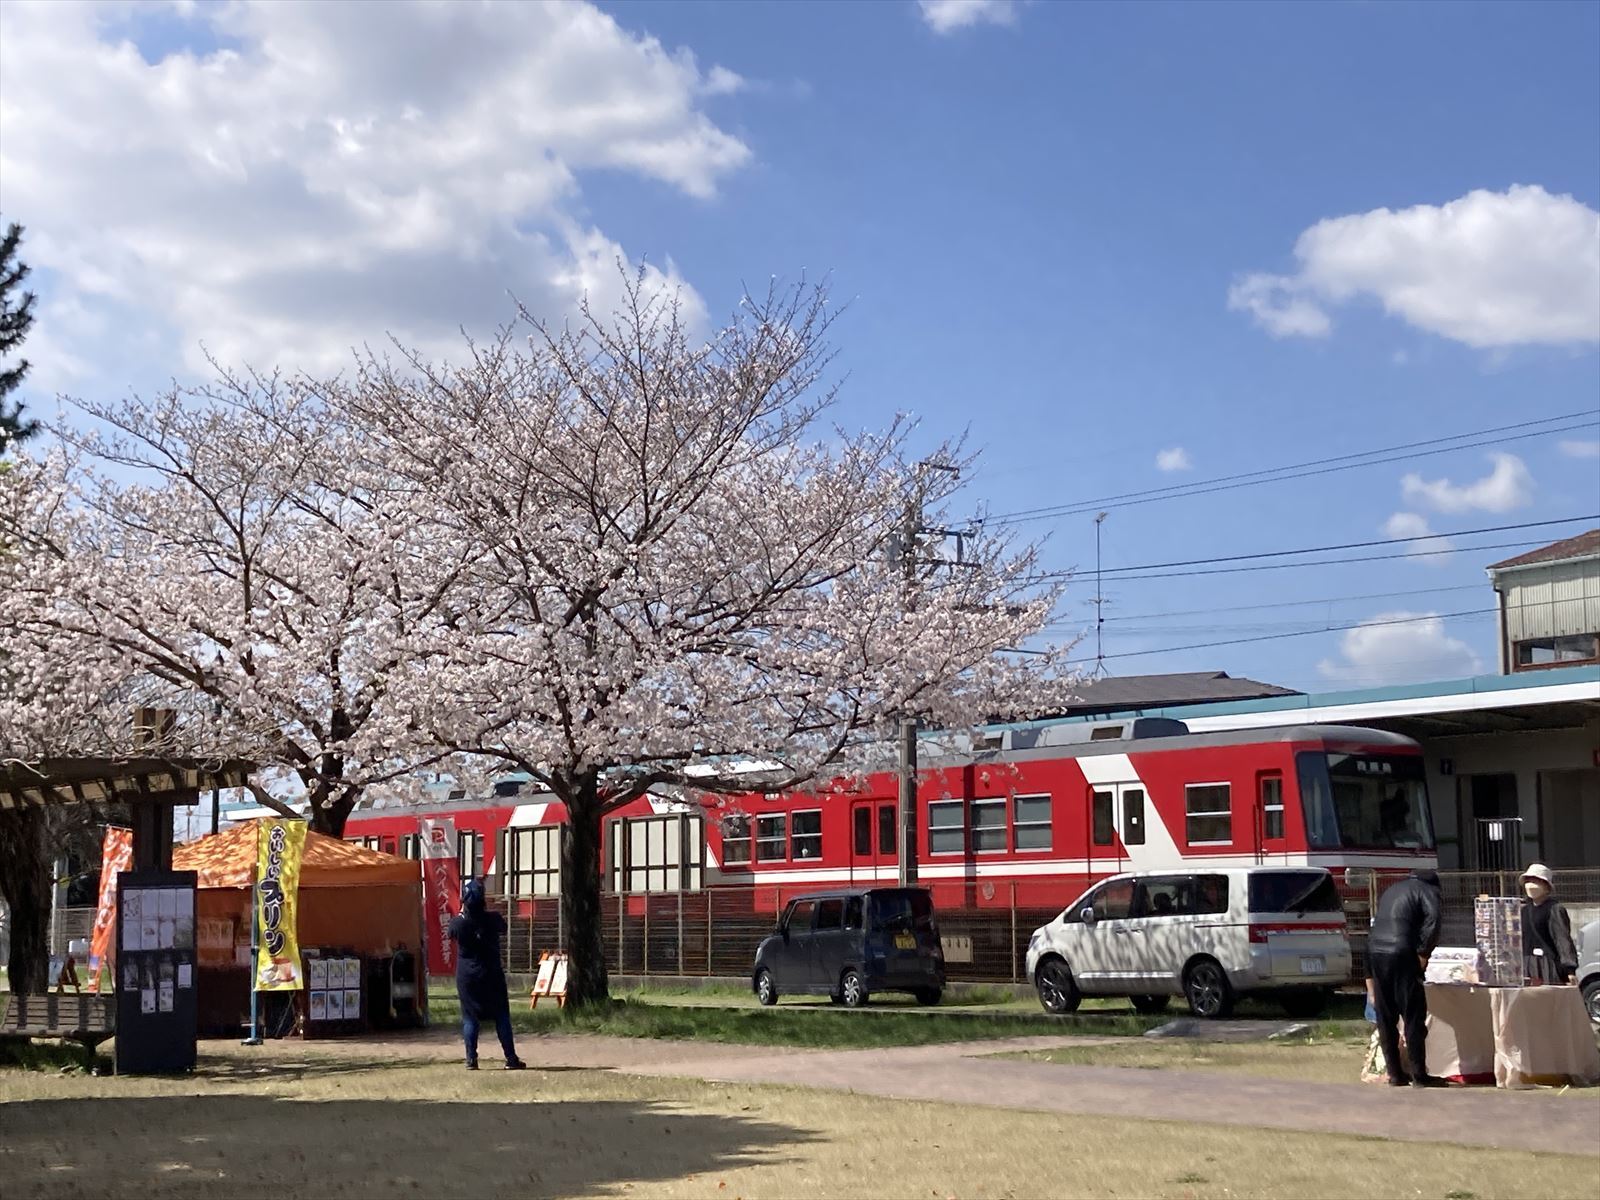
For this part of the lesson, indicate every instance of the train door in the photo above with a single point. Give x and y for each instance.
(1269, 823)
(1117, 822)
(874, 836)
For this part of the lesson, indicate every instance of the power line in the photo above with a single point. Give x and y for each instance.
(1273, 637)
(1200, 612)
(1123, 572)
(1320, 466)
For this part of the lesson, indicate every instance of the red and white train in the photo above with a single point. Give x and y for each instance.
(1048, 808)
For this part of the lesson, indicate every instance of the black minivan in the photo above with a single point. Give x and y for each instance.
(849, 944)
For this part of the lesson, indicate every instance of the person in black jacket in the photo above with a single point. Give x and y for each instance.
(480, 979)
(1403, 935)
(1547, 927)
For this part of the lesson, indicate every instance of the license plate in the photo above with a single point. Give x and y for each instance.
(1314, 966)
(904, 941)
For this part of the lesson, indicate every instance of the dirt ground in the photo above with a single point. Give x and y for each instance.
(298, 1121)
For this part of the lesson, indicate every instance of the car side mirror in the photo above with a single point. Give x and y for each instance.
(1088, 915)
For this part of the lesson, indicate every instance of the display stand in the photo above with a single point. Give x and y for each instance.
(156, 973)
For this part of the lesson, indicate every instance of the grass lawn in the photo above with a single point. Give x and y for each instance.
(1323, 1060)
(284, 1128)
(805, 1025)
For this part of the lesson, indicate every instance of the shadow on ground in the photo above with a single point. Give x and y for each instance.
(257, 1146)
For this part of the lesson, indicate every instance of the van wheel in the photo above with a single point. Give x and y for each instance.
(1304, 1004)
(853, 989)
(929, 995)
(766, 988)
(1150, 1004)
(1209, 993)
(1058, 991)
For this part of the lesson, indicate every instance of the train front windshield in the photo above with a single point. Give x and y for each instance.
(1365, 802)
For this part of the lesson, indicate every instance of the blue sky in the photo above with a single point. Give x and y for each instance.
(1037, 217)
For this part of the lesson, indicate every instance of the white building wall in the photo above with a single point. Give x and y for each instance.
(1531, 757)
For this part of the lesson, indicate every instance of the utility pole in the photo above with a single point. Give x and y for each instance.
(909, 541)
(1099, 606)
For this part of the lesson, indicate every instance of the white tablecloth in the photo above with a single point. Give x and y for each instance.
(1542, 1035)
(1461, 1032)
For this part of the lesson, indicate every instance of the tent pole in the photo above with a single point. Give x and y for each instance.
(255, 953)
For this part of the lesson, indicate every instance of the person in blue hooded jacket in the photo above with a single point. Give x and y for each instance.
(480, 979)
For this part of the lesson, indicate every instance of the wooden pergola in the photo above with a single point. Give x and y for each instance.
(151, 787)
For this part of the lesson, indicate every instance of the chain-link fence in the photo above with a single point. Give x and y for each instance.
(716, 932)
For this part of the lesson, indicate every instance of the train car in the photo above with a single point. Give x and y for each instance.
(1029, 819)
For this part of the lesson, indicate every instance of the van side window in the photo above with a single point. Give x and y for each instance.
(1111, 901)
(1100, 807)
(830, 915)
(800, 916)
(1164, 897)
(852, 912)
(1210, 894)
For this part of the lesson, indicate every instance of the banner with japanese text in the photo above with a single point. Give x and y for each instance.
(116, 854)
(441, 892)
(280, 845)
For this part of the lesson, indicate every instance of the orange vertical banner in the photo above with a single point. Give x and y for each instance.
(116, 854)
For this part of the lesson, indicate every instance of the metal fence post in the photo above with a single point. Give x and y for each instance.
(621, 951)
(710, 907)
(680, 933)
(561, 926)
(647, 934)
(1013, 931)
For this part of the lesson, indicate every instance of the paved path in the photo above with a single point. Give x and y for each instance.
(969, 1073)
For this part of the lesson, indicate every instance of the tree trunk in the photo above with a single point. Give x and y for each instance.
(25, 866)
(587, 981)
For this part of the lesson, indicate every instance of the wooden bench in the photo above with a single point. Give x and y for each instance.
(87, 1019)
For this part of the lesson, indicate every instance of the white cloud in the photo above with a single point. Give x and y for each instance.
(947, 16)
(1400, 647)
(1279, 306)
(1175, 459)
(1491, 269)
(1509, 485)
(315, 176)
(1435, 551)
(1580, 449)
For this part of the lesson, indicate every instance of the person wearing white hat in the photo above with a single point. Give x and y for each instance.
(1547, 928)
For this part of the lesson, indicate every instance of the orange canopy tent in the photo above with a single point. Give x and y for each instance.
(351, 899)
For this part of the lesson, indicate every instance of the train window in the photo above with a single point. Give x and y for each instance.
(988, 826)
(1272, 809)
(735, 839)
(387, 845)
(863, 831)
(1208, 810)
(1100, 814)
(1031, 823)
(888, 815)
(771, 842)
(411, 845)
(805, 835)
(469, 854)
(1133, 816)
(657, 854)
(531, 861)
(944, 827)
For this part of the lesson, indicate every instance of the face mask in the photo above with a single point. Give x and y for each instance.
(1536, 891)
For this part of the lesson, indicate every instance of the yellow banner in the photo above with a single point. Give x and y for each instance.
(280, 845)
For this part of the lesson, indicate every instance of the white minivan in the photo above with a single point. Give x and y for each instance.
(1207, 935)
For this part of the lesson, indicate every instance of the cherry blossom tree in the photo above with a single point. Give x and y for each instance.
(228, 546)
(670, 567)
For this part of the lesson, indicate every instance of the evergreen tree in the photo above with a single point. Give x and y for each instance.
(16, 315)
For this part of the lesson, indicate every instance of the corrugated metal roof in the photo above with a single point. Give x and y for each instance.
(1148, 691)
(1584, 545)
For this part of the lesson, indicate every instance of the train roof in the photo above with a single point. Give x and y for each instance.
(1079, 741)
